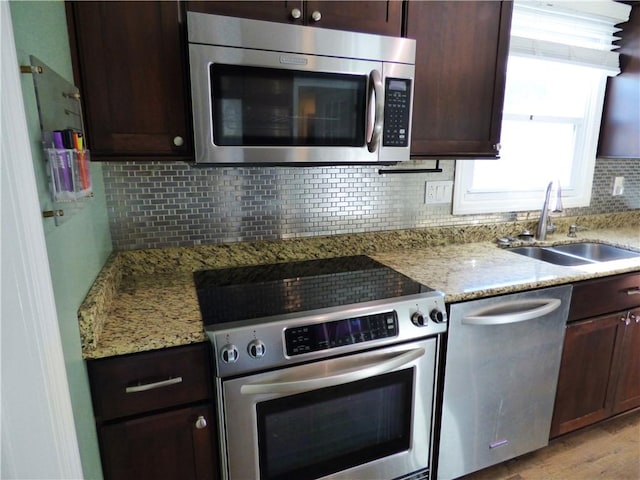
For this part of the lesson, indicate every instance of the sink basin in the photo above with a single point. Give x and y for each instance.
(598, 252)
(574, 254)
(549, 256)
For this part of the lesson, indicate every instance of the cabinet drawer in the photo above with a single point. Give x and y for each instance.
(605, 295)
(143, 382)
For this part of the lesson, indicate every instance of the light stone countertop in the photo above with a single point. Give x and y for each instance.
(474, 270)
(146, 300)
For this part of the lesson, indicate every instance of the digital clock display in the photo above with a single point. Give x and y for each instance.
(324, 336)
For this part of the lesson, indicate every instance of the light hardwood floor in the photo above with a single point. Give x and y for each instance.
(607, 451)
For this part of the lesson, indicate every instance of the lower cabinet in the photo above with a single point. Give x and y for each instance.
(172, 445)
(600, 368)
(627, 394)
(155, 414)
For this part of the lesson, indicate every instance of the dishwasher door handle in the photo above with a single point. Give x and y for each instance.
(512, 311)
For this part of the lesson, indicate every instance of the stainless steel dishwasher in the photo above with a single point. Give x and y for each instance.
(502, 363)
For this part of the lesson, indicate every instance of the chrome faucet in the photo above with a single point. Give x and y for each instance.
(545, 224)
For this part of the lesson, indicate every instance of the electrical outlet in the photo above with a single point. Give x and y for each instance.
(438, 192)
(618, 186)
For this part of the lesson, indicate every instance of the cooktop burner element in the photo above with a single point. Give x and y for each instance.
(244, 293)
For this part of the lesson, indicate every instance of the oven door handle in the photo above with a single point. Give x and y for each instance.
(299, 385)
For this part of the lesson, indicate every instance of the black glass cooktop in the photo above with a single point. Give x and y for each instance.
(243, 293)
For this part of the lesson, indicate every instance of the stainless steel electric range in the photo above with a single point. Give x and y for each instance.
(324, 369)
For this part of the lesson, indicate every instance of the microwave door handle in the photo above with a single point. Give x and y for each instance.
(297, 385)
(513, 312)
(375, 87)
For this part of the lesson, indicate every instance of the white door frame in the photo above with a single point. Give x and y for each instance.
(38, 431)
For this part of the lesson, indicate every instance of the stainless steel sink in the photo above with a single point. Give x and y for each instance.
(597, 252)
(549, 256)
(574, 254)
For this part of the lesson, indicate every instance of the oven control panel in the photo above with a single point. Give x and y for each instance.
(290, 339)
(323, 336)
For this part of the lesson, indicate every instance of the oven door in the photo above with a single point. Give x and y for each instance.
(363, 416)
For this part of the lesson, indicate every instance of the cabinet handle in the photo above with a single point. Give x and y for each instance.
(497, 146)
(628, 317)
(633, 291)
(201, 423)
(316, 16)
(296, 13)
(150, 386)
(178, 141)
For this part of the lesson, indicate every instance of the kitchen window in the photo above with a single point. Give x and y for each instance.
(556, 76)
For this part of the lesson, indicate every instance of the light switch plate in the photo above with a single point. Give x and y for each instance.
(438, 192)
(618, 186)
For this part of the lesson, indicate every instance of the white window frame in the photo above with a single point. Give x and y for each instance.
(572, 32)
(467, 200)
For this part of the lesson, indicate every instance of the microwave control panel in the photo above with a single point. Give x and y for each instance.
(397, 106)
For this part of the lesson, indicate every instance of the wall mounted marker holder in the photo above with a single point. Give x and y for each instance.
(68, 165)
(63, 140)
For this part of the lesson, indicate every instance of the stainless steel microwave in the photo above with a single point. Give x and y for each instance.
(271, 93)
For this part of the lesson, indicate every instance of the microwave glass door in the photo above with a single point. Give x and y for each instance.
(256, 106)
(317, 433)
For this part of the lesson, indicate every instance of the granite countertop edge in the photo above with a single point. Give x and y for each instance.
(146, 300)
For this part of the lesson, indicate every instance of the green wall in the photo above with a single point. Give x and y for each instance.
(78, 247)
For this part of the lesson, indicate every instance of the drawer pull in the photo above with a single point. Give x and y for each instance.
(633, 291)
(150, 386)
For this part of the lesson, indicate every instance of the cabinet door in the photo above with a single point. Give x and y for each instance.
(461, 59)
(628, 383)
(384, 18)
(163, 446)
(619, 136)
(585, 394)
(272, 11)
(380, 17)
(131, 68)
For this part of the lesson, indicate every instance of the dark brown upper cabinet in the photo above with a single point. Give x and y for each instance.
(381, 17)
(461, 61)
(620, 127)
(130, 66)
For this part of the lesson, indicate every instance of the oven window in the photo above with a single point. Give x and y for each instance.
(255, 106)
(317, 433)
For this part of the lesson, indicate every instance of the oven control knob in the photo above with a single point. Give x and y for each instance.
(256, 349)
(418, 319)
(437, 316)
(229, 353)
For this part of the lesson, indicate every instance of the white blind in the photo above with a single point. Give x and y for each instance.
(577, 32)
